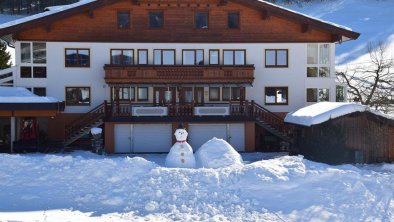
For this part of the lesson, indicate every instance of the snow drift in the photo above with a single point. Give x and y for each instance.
(217, 153)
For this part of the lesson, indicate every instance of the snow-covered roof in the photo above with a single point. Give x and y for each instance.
(53, 10)
(322, 112)
(22, 95)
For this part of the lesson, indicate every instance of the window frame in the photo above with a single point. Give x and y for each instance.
(276, 88)
(319, 66)
(276, 58)
(218, 51)
(42, 88)
(138, 94)
(129, 17)
(77, 65)
(161, 57)
(121, 56)
(77, 104)
(113, 95)
(195, 56)
(317, 95)
(149, 19)
(239, 20)
(147, 56)
(219, 94)
(195, 20)
(234, 50)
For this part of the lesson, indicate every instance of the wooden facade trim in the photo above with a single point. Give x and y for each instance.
(32, 30)
(174, 74)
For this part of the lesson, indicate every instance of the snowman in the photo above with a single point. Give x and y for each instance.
(181, 153)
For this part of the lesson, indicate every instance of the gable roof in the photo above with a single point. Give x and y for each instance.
(266, 8)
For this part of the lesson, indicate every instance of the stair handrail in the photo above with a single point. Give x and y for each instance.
(86, 119)
(256, 105)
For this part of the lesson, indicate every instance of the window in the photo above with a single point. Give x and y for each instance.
(276, 96)
(156, 19)
(78, 96)
(77, 58)
(25, 53)
(164, 56)
(233, 93)
(214, 93)
(317, 95)
(193, 57)
(214, 57)
(40, 91)
(276, 58)
(318, 60)
(35, 72)
(39, 53)
(33, 59)
(340, 94)
(201, 20)
(142, 57)
(26, 72)
(234, 57)
(124, 93)
(123, 19)
(142, 94)
(122, 56)
(233, 20)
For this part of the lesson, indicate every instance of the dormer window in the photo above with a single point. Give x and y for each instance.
(233, 20)
(201, 20)
(123, 19)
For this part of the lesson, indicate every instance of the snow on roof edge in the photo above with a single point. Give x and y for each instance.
(44, 14)
(322, 112)
(308, 16)
(22, 95)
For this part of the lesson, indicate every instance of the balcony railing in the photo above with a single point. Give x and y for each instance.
(148, 74)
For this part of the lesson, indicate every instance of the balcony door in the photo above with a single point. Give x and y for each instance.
(185, 95)
(164, 95)
(199, 96)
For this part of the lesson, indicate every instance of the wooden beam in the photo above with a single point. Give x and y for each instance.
(266, 15)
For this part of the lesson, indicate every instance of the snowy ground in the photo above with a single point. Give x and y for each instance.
(86, 187)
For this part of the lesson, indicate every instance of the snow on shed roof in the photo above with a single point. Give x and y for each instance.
(322, 112)
(22, 95)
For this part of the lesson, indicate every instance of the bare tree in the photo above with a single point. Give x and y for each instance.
(372, 82)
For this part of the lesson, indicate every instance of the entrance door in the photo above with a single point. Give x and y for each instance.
(199, 96)
(185, 95)
(164, 96)
(123, 138)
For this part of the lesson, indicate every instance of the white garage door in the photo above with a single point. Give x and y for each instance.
(232, 133)
(152, 138)
(237, 136)
(123, 138)
(141, 138)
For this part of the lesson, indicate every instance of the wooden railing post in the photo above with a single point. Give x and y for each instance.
(252, 108)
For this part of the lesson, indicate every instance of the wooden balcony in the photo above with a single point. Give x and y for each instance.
(179, 74)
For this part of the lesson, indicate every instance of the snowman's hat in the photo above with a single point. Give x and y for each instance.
(180, 126)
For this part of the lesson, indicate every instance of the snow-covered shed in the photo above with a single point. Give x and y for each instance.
(342, 133)
(20, 113)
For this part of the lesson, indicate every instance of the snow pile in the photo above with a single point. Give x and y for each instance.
(85, 187)
(22, 95)
(217, 153)
(322, 112)
(96, 131)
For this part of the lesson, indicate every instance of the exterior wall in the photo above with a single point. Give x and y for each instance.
(178, 25)
(293, 77)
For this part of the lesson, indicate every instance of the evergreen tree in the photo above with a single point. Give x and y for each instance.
(4, 56)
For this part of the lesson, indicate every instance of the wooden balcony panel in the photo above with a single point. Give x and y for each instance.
(115, 74)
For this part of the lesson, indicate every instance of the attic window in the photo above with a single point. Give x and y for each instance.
(156, 19)
(123, 19)
(201, 20)
(233, 20)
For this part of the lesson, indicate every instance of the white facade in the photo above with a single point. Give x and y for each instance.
(294, 76)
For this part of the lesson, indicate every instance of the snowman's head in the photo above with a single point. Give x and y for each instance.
(181, 134)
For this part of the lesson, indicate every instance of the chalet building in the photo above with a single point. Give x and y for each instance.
(225, 68)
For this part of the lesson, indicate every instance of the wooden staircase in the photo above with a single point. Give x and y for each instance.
(263, 117)
(84, 124)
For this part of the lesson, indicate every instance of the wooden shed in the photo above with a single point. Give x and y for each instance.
(342, 133)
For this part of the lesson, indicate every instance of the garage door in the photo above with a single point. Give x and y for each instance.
(143, 138)
(152, 138)
(237, 136)
(123, 138)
